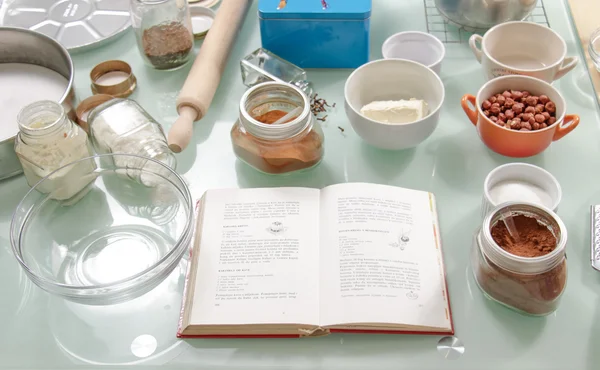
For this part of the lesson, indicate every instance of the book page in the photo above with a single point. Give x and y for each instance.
(380, 261)
(258, 261)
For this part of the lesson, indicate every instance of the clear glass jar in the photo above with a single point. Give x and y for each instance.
(48, 140)
(277, 148)
(163, 30)
(529, 285)
(263, 66)
(123, 126)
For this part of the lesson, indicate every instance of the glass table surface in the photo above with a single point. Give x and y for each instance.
(40, 331)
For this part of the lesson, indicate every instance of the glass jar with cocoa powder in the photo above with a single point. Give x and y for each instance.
(277, 148)
(528, 275)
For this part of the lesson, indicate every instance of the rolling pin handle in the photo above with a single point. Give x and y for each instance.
(182, 130)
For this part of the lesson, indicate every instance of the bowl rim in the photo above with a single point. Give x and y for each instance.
(428, 36)
(38, 279)
(521, 77)
(527, 24)
(398, 61)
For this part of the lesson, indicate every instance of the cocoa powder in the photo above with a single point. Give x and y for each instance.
(535, 239)
(535, 294)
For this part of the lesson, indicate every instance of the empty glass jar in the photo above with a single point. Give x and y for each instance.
(277, 148)
(163, 30)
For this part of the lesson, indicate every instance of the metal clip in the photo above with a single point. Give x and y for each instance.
(595, 237)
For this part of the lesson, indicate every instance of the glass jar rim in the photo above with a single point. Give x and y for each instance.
(520, 264)
(270, 131)
(49, 105)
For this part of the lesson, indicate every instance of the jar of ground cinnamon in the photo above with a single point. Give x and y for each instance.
(275, 147)
(163, 30)
(529, 273)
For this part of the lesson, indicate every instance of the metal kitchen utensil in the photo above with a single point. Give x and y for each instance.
(595, 237)
(76, 24)
(29, 47)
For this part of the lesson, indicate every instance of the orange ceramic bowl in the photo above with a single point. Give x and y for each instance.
(512, 143)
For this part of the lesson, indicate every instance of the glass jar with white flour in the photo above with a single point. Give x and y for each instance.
(48, 140)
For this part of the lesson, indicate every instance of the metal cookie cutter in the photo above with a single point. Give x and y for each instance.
(595, 237)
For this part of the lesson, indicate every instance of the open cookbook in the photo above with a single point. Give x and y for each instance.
(294, 262)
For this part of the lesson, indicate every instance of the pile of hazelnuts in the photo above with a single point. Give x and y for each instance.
(519, 110)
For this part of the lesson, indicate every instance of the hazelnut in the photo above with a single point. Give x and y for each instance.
(515, 125)
(495, 105)
(527, 116)
(495, 110)
(543, 125)
(517, 120)
(501, 100)
(546, 115)
(517, 95)
(502, 117)
(526, 94)
(507, 94)
(486, 104)
(501, 122)
(531, 121)
(492, 99)
(509, 102)
(509, 114)
(524, 129)
(530, 110)
(494, 118)
(539, 118)
(518, 108)
(551, 120)
(526, 125)
(486, 113)
(539, 108)
(544, 99)
(550, 107)
(535, 126)
(531, 101)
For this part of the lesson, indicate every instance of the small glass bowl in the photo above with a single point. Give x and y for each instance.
(122, 232)
(594, 48)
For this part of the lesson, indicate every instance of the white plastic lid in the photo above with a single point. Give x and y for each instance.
(202, 19)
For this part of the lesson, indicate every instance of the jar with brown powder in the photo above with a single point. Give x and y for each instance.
(163, 30)
(277, 148)
(529, 274)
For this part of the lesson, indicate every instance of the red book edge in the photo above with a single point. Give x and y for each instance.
(349, 331)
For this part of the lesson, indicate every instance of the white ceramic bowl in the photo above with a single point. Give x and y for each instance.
(393, 79)
(520, 182)
(418, 46)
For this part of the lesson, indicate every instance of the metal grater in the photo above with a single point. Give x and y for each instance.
(595, 237)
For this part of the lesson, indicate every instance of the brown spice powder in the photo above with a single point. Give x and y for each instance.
(167, 45)
(535, 239)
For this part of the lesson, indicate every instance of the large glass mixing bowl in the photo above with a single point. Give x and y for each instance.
(99, 233)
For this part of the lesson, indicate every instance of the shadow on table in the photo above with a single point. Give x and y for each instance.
(459, 160)
(317, 177)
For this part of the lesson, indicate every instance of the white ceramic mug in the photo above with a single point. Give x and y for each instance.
(522, 48)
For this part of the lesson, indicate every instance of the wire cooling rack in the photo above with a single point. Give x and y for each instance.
(450, 32)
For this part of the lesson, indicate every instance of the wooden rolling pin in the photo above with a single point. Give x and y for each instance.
(201, 84)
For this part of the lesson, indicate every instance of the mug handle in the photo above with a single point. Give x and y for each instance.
(473, 41)
(471, 113)
(570, 122)
(567, 65)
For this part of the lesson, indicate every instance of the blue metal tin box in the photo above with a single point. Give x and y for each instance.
(317, 33)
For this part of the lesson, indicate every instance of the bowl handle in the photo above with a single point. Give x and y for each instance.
(471, 113)
(473, 41)
(570, 122)
(567, 65)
